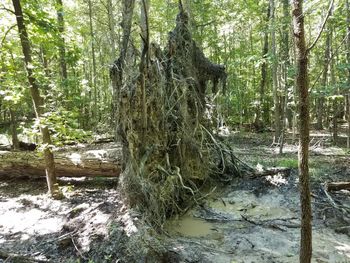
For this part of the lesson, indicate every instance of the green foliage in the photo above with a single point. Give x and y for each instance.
(230, 32)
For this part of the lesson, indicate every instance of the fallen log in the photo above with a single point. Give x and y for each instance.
(71, 162)
(336, 186)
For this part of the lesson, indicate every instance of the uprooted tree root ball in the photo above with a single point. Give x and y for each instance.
(170, 154)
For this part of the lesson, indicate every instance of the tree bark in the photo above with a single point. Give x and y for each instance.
(303, 155)
(37, 101)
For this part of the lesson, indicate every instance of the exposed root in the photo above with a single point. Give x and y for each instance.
(170, 160)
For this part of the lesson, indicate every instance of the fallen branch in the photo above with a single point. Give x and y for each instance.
(14, 257)
(336, 186)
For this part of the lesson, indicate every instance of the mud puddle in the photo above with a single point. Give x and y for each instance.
(250, 226)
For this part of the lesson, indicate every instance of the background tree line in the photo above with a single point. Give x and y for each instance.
(74, 44)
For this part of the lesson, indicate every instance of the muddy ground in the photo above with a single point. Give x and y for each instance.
(246, 220)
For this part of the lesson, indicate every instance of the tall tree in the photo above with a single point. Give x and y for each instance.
(277, 117)
(111, 26)
(38, 101)
(348, 62)
(302, 86)
(324, 82)
(263, 82)
(62, 48)
(285, 66)
(94, 66)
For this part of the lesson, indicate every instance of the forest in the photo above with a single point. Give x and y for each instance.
(175, 131)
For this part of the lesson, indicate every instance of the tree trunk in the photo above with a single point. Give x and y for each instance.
(61, 45)
(144, 57)
(302, 86)
(285, 67)
(15, 141)
(37, 101)
(336, 102)
(94, 67)
(336, 186)
(348, 60)
(324, 82)
(261, 109)
(111, 25)
(74, 163)
(276, 102)
(118, 66)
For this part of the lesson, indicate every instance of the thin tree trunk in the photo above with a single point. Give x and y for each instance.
(94, 67)
(348, 60)
(113, 38)
(15, 141)
(285, 67)
(302, 86)
(262, 103)
(61, 46)
(37, 101)
(336, 102)
(324, 82)
(111, 25)
(277, 116)
(144, 57)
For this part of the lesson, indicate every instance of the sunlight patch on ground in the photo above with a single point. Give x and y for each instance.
(128, 220)
(344, 249)
(22, 217)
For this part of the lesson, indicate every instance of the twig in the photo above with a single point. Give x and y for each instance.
(5, 35)
(322, 27)
(329, 197)
(79, 252)
(7, 9)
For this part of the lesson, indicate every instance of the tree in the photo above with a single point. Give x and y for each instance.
(263, 82)
(285, 67)
(94, 66)
(38, 102)
(302, 84)
(348, 62)
(61, 46)
(276, 111)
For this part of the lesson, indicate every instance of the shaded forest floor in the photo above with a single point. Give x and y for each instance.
(248, 220)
